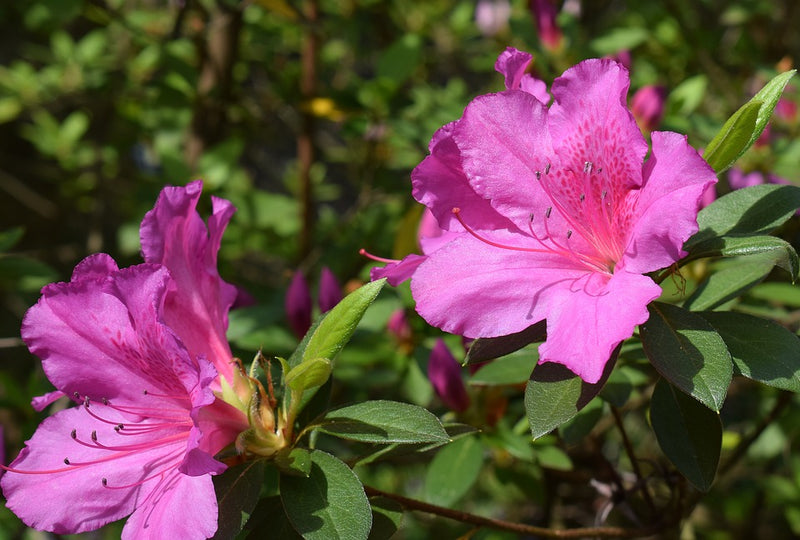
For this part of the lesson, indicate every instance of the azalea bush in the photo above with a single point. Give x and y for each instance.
(469, 269)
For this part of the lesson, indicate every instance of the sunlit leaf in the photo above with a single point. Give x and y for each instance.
(728, 283)
(733, 138)
(453, 471)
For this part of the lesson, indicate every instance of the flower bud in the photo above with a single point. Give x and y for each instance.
(298, 305)
(444, 373)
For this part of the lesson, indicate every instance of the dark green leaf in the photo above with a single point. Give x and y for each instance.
(688, 352)
(336, 329)
(269, 520)
(514, 369)
(294, 461)
(689, 434)
(554, 395)
(453, 471)
(761, 350)
(752, 210)
(328, 505)
(729, 283)
(781, 252)
(384, 422)
(386, 518)
(575, 429)
(618, 388)
(733, 138)
(237, 492)
(9, 238)
(485, 349)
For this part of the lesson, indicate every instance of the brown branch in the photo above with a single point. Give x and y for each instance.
(480, 521)
(640, 481)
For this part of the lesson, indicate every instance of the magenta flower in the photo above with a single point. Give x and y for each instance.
(444, 372)
(143, 435)
(545, 13)
(555, 214)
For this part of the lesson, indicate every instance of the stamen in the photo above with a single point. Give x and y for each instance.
(547, 169)
(548, 212)
(369, 255)
(538, 175)
(587, 167)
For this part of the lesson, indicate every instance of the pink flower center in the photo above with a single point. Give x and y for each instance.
(586, 204)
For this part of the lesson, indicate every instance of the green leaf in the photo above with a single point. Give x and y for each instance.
(336, 329)
(752, 210)
(308, 374)
(237, 492)
(270, 521)
(761, 350)
(769, 96)
(294, 461)
(386, 518)
(328, 505)
(485, 349)
(779, 293)
(781, 252)
(515, 369)
(729, 283)
(9, 238)
(384, 422)
(575, 429)
(689, 434)
(453, 471)
(688, 352)
(554, 395)
(733, 139)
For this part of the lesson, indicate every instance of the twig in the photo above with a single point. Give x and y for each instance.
(640, 481)
(480, 521)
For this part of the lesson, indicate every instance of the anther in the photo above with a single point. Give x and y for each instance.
(599, 169)
(603, 195)
(538, 175)
(119, 427)
(94, 436)
(77, 395)
(530, 218)
(569, 234)
(582, 197)
(105, 401)
(66, 461)
(548, 211)
(144, 392)
(104, 481)
(74, 434)
(587, 167)
(86, 402)
(547, 169)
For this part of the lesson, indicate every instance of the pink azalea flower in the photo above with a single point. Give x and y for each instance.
(647, 106)
(330, 292)
(545, 13)
(142, 437)
(444, 372)
(555, 214)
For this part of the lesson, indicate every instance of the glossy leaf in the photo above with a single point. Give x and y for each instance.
(485, 349)
(386, 518)
(761, 350)
(453, 471)
(754, 210)
(733, 139)
(328, 505)
(384, 422)
(237, 492)
(294, 461)
(308, 374)
(688, 352)
(729, 283)
(689, 434)
(554, 395)
(513, 369)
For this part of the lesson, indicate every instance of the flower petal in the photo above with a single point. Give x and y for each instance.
(472, 289)
(512, 64)
(675, 179)
(397, 272)
(586, 323)
(504, 143)
(173, 234)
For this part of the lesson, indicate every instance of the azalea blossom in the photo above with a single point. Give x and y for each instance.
(444, 372)
(146, 424)
(554, 214)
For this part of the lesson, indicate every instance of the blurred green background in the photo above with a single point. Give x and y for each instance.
(309, 116)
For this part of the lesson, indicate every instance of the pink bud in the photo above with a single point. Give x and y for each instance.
(398, 325)
(444, 373)
(330, 292)
(647, 106)
(298, 305)
(545, 12)
(491, 16)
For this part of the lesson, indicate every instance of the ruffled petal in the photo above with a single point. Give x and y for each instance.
(397, 272)
(440, 184)
(173, 234)
(504, 146)
(181, 506)
(472, 289)
(589, 121)
(675, 179)
(512, 64)
(591, 318)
